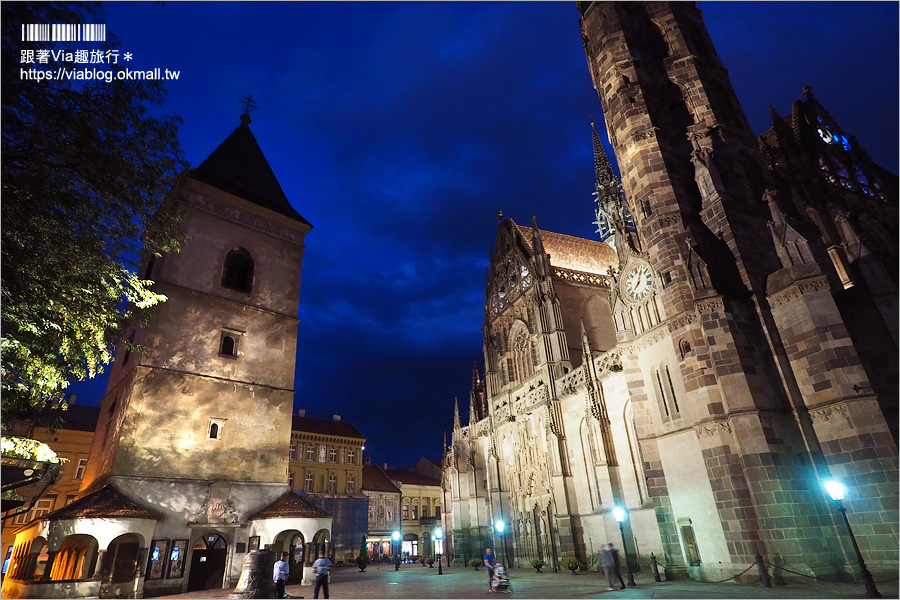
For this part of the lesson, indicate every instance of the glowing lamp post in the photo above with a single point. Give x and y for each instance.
(619, 514)
(396, 537)
(836, 491)
(499, 527)
(439, 536)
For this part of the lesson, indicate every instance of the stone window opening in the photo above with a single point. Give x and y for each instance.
(214, 428)
(237, 273)
(229, 343)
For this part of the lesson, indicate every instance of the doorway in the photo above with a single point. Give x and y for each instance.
(208, 563)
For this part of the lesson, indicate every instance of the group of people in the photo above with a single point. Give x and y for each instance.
(282, 571)
(609, 562)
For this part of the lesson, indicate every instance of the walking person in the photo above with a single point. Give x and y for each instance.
(321, 566)
(489, 567)
(280, 574)
(607, 564)
(615, 557)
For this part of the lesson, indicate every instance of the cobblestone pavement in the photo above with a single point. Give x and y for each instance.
(423, 582)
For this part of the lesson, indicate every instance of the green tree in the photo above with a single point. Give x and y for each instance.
(85, 172)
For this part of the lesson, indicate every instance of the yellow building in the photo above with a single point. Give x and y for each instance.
(71, 441)
(420, 506)
(326, 465)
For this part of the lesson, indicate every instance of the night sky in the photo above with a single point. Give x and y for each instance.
(399, 131)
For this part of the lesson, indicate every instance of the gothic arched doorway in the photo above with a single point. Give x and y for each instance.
(208, 562)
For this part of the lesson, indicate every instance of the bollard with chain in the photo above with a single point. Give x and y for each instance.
(655, 568)
(763, 574)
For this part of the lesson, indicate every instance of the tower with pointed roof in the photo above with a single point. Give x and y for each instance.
(195, 431)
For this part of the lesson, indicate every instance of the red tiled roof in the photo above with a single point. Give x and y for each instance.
(290, 505)
(105, 502)
(411, 478)
(326, 427)
(375, 480)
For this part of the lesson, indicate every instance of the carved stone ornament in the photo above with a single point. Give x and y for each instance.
(825, 414)
(794, 291)
(680, 320)
(714, 305)
(711, 429)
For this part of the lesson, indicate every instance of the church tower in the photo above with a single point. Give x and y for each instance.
(747, 388)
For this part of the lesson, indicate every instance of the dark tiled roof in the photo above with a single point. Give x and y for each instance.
(326, 427)
(105, 502)
(238, 166)
(375, 480)
(290, 505)
(75, 418)
(411, 478)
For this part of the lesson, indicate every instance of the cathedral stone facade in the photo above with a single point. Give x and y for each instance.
(727, 345)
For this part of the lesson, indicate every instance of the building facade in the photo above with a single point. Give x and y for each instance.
(384, 512)
(708, 368)
(71, 441)
(326, 467)
(189, 463)
(420, 508)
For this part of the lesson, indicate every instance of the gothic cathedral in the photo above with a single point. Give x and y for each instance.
(726, 345)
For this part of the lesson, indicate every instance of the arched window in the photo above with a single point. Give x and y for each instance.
(520, 345)
(238, 271)
(227, 345)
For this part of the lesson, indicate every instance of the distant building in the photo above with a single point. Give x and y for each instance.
(326, 467)
(384, 511)
(71, 441)
(420, 507)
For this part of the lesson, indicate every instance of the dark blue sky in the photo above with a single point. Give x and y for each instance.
(399, 129)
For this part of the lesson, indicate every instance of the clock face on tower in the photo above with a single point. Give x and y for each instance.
(638, 282)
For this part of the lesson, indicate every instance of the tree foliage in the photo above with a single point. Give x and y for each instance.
(85, 171)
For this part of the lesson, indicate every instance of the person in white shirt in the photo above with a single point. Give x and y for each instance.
(321, 566)
(280, 574)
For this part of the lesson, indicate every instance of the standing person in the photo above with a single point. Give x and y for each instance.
(607, 563)
(615, 556)
(489, 566)
(280, 574)
(322, 566)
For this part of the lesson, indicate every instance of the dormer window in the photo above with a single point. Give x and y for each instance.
(238, 271)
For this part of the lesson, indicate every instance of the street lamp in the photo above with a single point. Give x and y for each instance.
(439, 536)
(500, 526)
(396, 537)
(836, 491)
(619, 514)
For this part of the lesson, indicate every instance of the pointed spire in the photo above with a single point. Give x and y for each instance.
(445, 440)
(607, 183)
(475, 377)
(456, 424)
(773, 114)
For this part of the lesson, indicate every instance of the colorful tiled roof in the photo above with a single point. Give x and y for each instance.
(577, 254)
(326, 427)
(375, 480)
(105, 502)
(238, 166)
(291, 506)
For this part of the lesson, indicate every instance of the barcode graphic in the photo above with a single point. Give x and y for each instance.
(60, 32)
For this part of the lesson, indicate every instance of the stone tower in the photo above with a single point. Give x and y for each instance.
(748, 390)
(215, 388)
